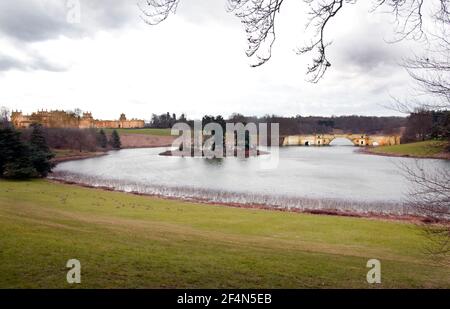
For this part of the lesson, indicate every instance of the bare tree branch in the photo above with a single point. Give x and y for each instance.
(320, 16)
(429, 197)
(258, 18)
(156, 11)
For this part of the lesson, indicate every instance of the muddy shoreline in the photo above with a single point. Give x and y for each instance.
(256, 206)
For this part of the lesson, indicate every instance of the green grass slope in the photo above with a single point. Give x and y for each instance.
(419, 149)
(132, 241)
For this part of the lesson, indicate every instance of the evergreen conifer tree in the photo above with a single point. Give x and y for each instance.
(115, 140)
(40, 153)
(101, 139)
(15, 156)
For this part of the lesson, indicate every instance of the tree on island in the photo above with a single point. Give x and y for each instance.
(165, 120)
(114, 141)
(101, 139)
(219, 120)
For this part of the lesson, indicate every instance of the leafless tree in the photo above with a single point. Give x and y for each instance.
(4, 116)
(78, 112)
(68, 138)
(258, 18)
(429, 197)
(431, 70)
(429, 186)
(427, 21)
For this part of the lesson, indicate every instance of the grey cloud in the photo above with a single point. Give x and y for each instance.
(368, 56)
(364, 49)
(113, 15)
(39, 20)
(201, 11)
(8, 63)
(43, 64)
(32, 21)
(36, 63)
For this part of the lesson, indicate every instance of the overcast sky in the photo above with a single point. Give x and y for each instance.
(193, 63)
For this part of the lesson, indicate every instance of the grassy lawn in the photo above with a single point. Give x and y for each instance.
(131, 241)
(65, 153)
(62, 153)
(146, 131)
(419, 149)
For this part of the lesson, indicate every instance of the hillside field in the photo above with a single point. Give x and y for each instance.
(130, 241)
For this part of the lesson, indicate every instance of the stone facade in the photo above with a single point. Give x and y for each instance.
(62, 119)
(325, 139)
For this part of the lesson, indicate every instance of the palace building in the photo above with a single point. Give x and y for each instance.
(63, 119)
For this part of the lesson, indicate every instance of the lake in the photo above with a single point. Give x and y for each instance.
(337, 177)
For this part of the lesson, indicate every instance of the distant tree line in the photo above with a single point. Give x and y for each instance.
(346, 124)
(165, 121)
(297, 124)
(426, 124)
(316, 124)
(78, 139)
(419, 125)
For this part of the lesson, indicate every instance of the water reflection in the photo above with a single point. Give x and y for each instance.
(213, 161)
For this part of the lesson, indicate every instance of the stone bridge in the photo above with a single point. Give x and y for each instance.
(326, 139)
